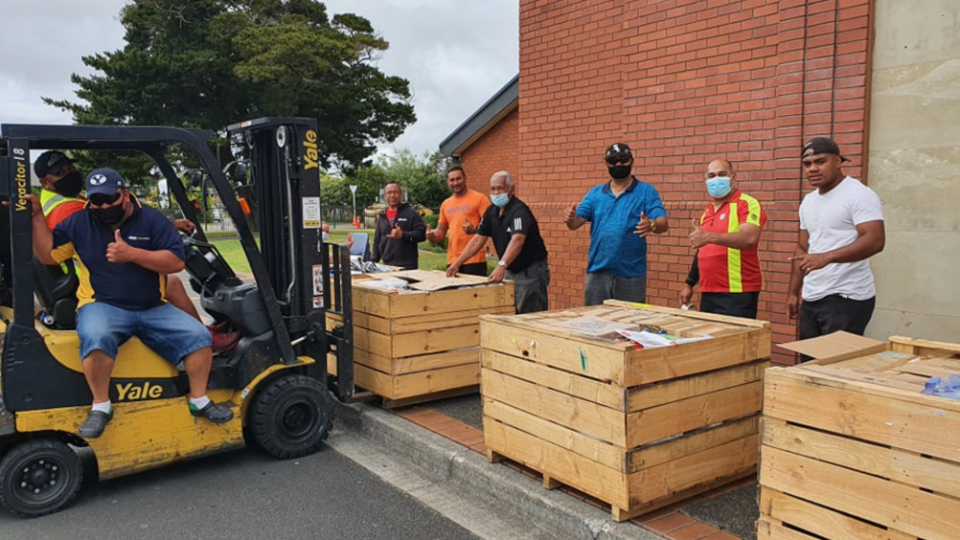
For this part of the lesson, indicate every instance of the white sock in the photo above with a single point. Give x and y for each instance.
(102, 407)
(200, 402)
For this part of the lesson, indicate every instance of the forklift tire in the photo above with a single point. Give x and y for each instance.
(291, 416)
(39, 477)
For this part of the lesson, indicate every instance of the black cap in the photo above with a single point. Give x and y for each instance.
(50, 162)
(618, 150)
(821, 145)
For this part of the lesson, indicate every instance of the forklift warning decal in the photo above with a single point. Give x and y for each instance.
(311, 212)
(317, 280)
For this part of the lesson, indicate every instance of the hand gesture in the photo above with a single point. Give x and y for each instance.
(644, 226)
(430, 235)
(396, 233)
(453, 269)
(698, 237)
(811, 261)
(469, 227)
(184, 226)
(569, 213)
(119, 251)
(686, 294)
(350, 241)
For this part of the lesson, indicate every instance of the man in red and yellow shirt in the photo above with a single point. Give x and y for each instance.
(726, 237)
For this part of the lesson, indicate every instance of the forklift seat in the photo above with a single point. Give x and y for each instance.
(134, 359)
(56, 288)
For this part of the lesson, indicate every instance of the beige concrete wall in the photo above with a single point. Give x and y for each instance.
(914, 167)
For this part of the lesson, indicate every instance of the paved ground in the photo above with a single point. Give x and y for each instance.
(242, 494)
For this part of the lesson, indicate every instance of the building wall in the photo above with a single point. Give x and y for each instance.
(684, 82)
(915, 167)
(495, 151)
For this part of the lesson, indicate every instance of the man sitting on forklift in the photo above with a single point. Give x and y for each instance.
(60, 186)
(125, 251)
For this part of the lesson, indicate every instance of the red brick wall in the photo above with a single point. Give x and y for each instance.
(684, 82)
(495, 151)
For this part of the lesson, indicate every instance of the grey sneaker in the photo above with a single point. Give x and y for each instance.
(217, 413)
(93, 426)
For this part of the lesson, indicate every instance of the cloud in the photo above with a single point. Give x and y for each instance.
(456, 55)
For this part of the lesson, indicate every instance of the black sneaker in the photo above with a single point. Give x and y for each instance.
(214, 412)
(93, 426)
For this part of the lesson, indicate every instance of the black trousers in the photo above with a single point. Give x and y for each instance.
(834, 313)
(734, 304)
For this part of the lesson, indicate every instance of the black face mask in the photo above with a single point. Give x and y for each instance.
(70, 185)
(619, 172)
(109, 216)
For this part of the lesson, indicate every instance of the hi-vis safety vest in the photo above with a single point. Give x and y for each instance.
(49, 200)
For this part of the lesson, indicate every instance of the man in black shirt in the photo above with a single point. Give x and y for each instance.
(399, 229)
(516, 237)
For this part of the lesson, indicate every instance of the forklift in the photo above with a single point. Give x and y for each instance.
(275, 379)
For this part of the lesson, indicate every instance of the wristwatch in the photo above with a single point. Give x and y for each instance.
(502, 263)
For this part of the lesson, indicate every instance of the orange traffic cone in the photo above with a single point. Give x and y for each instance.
(356, 222)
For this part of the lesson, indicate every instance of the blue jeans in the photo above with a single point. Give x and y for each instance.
(170, 332)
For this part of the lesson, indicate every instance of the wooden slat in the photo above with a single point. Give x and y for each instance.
(584, 416)
(713, 317)
(417, 343)
(693, 413)
(906, 509)
(391, 304)
(644, 397)
(416, 364)
(768, 530)
(664, 363)
(692, 443)
(604, 483)
(882, 415)
(922, 347)
(818, 520)
(574, 441)
(430, 382)
(606, 394)
(904, 467)
(662, 480)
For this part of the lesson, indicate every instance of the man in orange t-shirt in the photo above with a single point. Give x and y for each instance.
(460, 214)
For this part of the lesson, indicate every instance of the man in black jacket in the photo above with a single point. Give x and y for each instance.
(399, 229)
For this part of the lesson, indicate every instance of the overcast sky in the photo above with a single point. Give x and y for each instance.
(455, 54)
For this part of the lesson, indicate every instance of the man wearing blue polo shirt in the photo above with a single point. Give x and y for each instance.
(622, 214)
(125, 251)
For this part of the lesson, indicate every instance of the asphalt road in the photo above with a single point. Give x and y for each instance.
(239, 495)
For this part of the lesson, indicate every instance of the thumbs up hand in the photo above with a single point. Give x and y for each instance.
(119, 251)
(569, 213)
(698, 237)
(469, 227)
(644, 226)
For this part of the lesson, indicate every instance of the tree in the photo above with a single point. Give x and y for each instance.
(209, 63)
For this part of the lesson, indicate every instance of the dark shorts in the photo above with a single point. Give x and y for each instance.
(834, 313)
(732, 304)
(530, 287)
(600, 286)
(473, 269)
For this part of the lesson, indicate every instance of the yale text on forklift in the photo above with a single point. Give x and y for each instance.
(311, 155)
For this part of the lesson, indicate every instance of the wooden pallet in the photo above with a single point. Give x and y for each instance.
(852, 449)
(554, 400)
(421, 345)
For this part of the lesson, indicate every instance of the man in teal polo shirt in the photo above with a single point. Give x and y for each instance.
(622, 213)
(125, 251)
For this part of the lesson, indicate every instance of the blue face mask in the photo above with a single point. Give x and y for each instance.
(324, 236)
(718, 187)
(500, 200)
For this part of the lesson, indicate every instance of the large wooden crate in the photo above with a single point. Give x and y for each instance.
(853, 450)
(638, 429)
(422, 343)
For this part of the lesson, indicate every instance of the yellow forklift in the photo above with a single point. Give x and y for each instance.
(275, 379)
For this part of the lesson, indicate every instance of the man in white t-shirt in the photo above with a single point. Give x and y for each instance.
(841, 227)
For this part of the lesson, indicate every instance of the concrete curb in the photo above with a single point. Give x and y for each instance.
(444, 461)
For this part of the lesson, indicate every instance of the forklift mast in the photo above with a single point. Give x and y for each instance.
(310, 278)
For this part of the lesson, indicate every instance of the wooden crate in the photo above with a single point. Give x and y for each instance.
(852, 449)
(638, 429)
(413, 346)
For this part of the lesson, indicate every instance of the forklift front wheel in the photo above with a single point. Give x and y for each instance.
(291, 416)
(39, 477)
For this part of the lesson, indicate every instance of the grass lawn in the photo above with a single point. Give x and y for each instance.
(431, 258)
